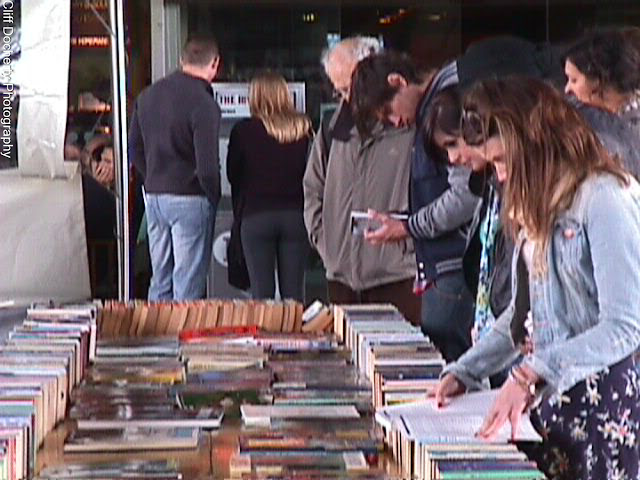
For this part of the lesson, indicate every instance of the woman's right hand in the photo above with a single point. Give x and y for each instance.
(448, 388)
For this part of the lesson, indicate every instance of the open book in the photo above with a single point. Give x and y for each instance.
(457, 422)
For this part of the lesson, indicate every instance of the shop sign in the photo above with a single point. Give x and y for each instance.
(233, 98)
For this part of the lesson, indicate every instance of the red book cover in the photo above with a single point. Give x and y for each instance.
(194, 335)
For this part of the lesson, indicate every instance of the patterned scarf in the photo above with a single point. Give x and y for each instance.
(484, 318)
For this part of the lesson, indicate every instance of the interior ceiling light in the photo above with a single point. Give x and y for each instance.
(393, 17)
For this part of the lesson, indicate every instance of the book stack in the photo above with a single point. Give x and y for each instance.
(215, 356)
(403, 366)
(431, 443)
(319, 424)
(127, 402)
(394, 356)
(40, 363)
(147, 470)
(343, 314)
(305, 400)
(141, 319)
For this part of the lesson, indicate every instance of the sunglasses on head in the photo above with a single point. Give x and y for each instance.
(475, 129)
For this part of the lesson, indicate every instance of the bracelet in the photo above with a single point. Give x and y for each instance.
(517, 376)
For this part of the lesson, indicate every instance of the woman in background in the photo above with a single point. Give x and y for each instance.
(265, 165)
(603, 70)
(575, 213)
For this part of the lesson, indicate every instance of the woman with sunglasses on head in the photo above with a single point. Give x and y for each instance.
(575, 215)
(487, 257)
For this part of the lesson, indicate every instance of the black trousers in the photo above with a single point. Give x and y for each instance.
(275, 240)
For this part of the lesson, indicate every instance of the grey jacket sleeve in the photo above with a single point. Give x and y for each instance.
(313, 187)
(494, 352)
(450, 211)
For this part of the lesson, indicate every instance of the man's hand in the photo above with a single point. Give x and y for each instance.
(104, 174)
(391, 230)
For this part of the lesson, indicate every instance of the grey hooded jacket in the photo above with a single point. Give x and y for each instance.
(356, 174)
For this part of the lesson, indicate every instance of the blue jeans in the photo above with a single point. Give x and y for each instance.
(447, 315)
(180, 231)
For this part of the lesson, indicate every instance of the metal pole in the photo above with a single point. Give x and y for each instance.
(119, 109)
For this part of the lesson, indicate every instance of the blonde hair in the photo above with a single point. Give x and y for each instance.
(549, 152)
(271, 102)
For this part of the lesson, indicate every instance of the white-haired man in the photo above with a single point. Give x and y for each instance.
(346, 173)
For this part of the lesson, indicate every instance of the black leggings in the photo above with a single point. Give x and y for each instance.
(275, 238)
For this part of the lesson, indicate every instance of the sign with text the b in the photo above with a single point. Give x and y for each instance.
(233, 98)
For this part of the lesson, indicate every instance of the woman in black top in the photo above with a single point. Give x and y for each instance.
(265, 165)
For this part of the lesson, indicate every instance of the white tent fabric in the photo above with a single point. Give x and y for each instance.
(44, 250)
(42, 74)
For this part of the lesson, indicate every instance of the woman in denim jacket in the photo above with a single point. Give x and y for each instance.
(575, 215)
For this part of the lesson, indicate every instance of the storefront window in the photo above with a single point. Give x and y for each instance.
(89, 120)
(89, 137)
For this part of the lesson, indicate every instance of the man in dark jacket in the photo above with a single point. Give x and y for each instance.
(174, 131)
(387, 87)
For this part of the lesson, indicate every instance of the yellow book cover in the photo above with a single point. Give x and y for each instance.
(297, 325)
(211, 317)
(192, 316)
(201, 315)
(149, 329)
(177, 318)
(228, 308)
(277, 316)
(135, 320)
(127, 320)
(144, 314)
(164, 317)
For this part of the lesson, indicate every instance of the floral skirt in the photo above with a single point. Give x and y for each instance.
(592, 431)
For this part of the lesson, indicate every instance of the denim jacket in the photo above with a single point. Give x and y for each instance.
(586, 306)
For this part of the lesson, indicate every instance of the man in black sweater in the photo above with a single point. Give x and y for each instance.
(174, 139)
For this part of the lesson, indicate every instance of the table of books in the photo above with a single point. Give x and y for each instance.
(97, 395)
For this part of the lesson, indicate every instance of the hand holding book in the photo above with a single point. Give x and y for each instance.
(381, 227)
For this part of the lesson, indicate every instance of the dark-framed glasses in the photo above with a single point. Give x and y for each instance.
(341, 93)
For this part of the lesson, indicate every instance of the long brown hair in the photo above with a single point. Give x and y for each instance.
(549, 151)
(271, 102)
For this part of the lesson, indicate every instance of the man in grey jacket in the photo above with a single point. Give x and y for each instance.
(347, 173)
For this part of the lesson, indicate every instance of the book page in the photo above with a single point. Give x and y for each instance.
(447, 427)
(459, 420)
